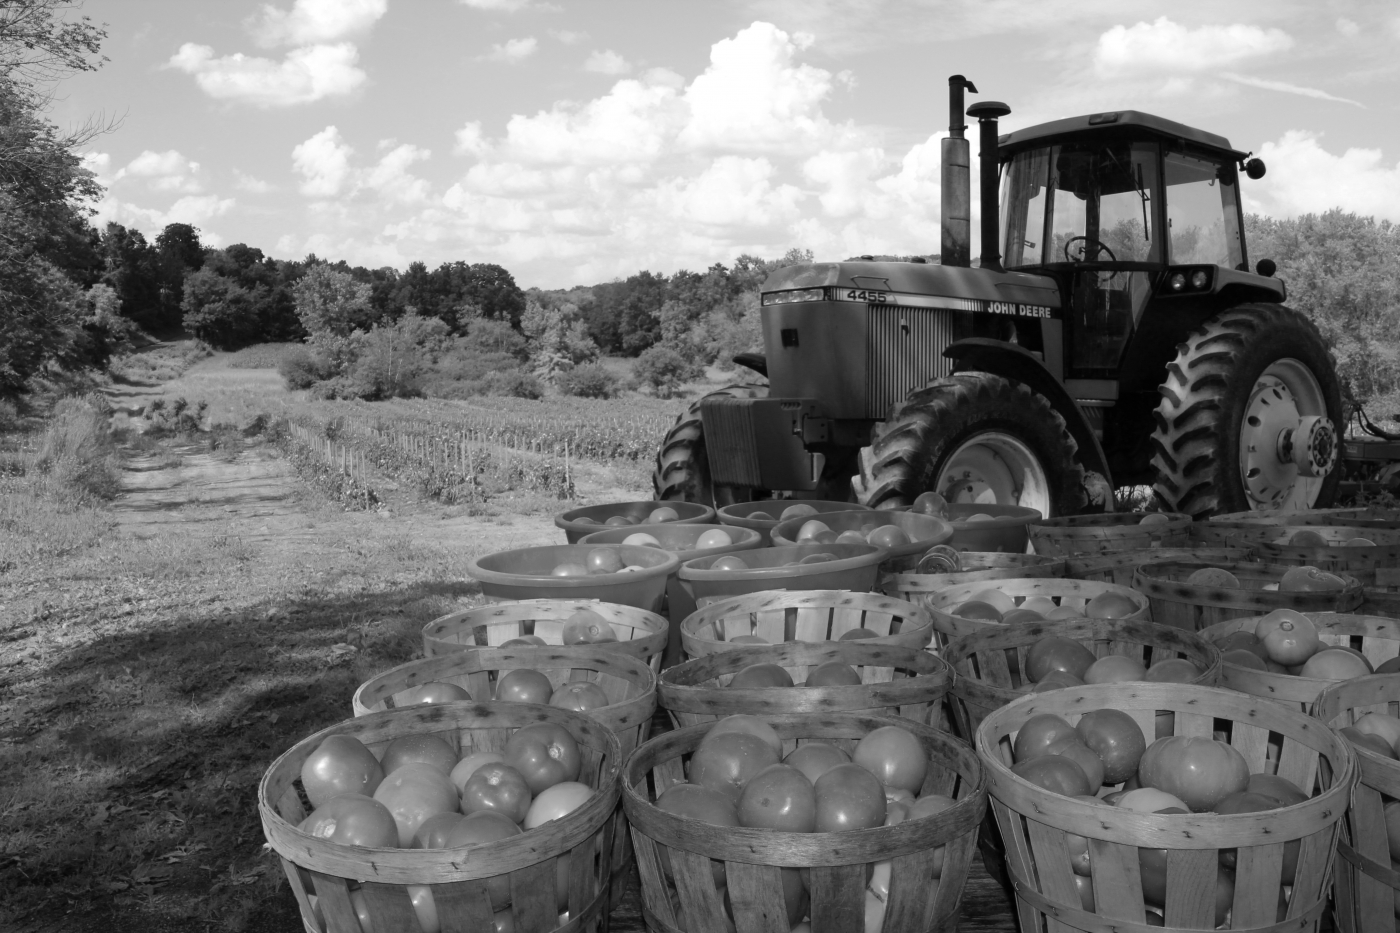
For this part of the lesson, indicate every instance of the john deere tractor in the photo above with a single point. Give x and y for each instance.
(1112, 336)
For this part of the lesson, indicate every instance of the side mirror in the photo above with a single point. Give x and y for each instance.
(1266, 268)
(1255, 169)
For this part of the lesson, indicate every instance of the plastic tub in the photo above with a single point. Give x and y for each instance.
(738, 513)
(526, 574)
(679, 540)
(924, 531)
(855, 568)
(1007, 531)
(691, 513)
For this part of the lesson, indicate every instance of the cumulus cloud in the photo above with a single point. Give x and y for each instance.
(197, 210)
(325, 164)
(164, 171)
(251, 184)
(305, 75)
(606, 62)
(513, 50)
(1164, 47)
(1305, 178)
(323, 161)
(498, 6)
(636, 121)
(311, 22)
(1348, 28)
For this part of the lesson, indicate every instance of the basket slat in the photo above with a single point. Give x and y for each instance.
(773, 616)
(1194, 607)
(1113, 531)
(1074, 594)
(977, 565)
(1119, 566)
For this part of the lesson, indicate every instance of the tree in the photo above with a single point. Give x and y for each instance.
(219, 311)
(178, 253)
(664, 370)
(133, 271)
(332, 306)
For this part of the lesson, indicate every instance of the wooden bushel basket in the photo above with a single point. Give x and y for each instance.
(804, 615)
(989, 665)
(1120, 566)
(457, 877)
(1111, 531)
(838, 862)
(1072, 593)
(1364, 518)
(1192, 607)
(1217, 530)
(639, 633)
(1381, 593)
(895, 681)
(976, 565)
(1035, 822)
(1376, 637)
(1367, 882)
(1335, 557)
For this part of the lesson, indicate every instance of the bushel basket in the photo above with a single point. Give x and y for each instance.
(1193, 606)
(1121, 566)
(974, 566)
(1072, 594)
(777, 616)
(640, 633)
(1112, 531)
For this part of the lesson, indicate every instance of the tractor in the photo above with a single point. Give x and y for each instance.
(1113, 335)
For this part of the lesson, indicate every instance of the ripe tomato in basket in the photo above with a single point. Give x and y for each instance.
(340, 765)
(849, 797)
(544, 754)
(1201, 771)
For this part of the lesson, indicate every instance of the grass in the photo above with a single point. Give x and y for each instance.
(259, 356)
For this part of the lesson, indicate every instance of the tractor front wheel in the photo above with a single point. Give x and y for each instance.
(682, 465)
(974, 438)
(1249, 416)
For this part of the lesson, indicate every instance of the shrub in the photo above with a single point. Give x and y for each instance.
(301, 368)
(77, 449)
(591, 380)
(664, 370)
(516, 383)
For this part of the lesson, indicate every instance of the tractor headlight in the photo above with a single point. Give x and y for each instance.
(1178, 281)
(788, 297)
(1199, 279)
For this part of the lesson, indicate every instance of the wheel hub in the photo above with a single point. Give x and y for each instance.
(1287, 443)
(995, 469)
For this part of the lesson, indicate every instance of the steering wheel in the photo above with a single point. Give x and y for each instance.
(1099, 247)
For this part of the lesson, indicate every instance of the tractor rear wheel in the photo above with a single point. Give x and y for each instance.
(974, 437)
(683, 466)
(1249, 416)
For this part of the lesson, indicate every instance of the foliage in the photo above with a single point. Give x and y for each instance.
(392, 358)
(516, 384)
(591, 380)
(331, 306)
(302, 368)
(76, 448)
(559, 338)
(240, 297)
(663, 369)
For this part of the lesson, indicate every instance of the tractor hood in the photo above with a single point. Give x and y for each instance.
(913, 283)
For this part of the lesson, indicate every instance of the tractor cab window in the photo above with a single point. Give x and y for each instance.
(1203, 215)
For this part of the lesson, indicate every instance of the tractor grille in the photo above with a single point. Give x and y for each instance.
(730, 441)
(905, 351)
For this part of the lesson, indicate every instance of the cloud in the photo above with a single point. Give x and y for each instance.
(1165, 47)
(314, 22)
(607, 62)
(1348, 28)
(164, 171)
(734, 192)
(637, 121)
(1304, 178)
(568, 36)
(1286, 88)
(251, 184)
(197, 210)
(498, 6)
(305, 75)
(323, 161)
(471, 140)
(513, 50)
(392, 180)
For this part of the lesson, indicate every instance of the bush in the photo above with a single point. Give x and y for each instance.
(591, 380)
(77, 448)
(302, 368)
(664, 370)
(516, 383)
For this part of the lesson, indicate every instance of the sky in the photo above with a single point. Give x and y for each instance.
(580, 141)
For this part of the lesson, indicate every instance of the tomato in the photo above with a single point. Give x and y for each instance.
(1055, 773)
(851, 537)
(1061, 613)
(1085, 886)
(1074, 749)
(413, 793)
(544, 754)
(762, 516)
(857, 633)
(895, 756)
(341, 764)
(697, 803)
(821, 537)
(353, 820)
(832, 674)
(760, 675)
(848, 797)
(419, 749)
(1019, 616)
(1379, 724)
(1150, 800)
(571, 569)
(468, 765)
(1115, 737)
(930, 503)
(792, 511)
(580, 695)
(620, 520)
(1389, 667)
(724, 763)
(1291, 642)
(978, 610)
(640, 539)
(815, 759)
(1201, 771)
(1213, 576)
(1110, 606)
(1172, 671)
(432, 832)
(556, 801)
(525, 641)
(1038, 733)
(606, 559)
(1392, 827)
(1245, 802)
(1335, 664)
(749, 640)
(523, 685)
(1115, 669)
(1078, 847)
(1056, 680)
(742, 722)
(794, 895)
(715, 537)
(874, 913)
(663, 513)
(1282, 790)
(1375, 743)
(928, 805)
(1309, 579)
(1241, 657)
(1307, 538)
(729, 562)
(432, 693)
(889, 536)
(779, 797)
(498, 787)
(811, 528)
(586, 627)
(486, 826)
(1246, 640)
(996, 599)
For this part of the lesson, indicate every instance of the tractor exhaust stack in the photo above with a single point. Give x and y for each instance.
(987, 113)
(956, 188)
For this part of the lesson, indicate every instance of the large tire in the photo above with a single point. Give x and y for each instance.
(682, 465)
(1215, 386)
(964, 419)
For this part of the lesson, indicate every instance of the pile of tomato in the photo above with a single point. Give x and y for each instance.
(993, 605)
(1286, 642)
(1305, 579)
(657, 515)
(1174, 774)
(1055, 661)
(738, 776)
